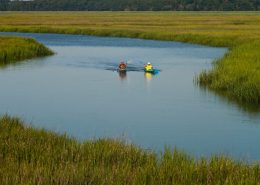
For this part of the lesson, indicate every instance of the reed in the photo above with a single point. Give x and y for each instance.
(36, 156)
(13, 49)
(237, 74)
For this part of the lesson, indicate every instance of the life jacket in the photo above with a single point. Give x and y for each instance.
(148, 67)
(122, 66)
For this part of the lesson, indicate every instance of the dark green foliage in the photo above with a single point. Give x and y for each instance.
(120, 5)
(4, 4)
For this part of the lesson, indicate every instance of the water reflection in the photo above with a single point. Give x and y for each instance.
(225, 98)
(37, 62)
(148, 77)
(122, 75)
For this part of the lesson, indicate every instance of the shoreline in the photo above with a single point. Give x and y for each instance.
(15, 49)
(39, 156)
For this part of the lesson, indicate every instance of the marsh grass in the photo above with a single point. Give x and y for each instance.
(238, 72)
(236, 75)
(36, 156)
(13, 49)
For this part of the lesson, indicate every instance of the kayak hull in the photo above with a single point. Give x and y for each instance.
(149, 71)
(122, 70)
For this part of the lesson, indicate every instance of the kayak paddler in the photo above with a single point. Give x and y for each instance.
(122, 66)
(148, 67)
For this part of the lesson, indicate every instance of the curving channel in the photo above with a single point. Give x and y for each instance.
(79, 91)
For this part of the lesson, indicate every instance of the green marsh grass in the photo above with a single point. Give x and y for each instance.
(36, 156)
(13, 49)
(236, 74)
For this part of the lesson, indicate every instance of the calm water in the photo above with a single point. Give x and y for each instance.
(79, 92)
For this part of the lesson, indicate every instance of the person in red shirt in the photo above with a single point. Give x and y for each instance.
(122, 66)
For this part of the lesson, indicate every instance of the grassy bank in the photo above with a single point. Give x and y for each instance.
(237, 75)
(13, 49)
(33, 156)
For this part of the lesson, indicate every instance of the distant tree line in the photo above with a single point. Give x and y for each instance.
(130, 5)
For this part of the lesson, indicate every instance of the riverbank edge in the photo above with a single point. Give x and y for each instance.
(16, 49)
(37, 156)
(226, 77)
